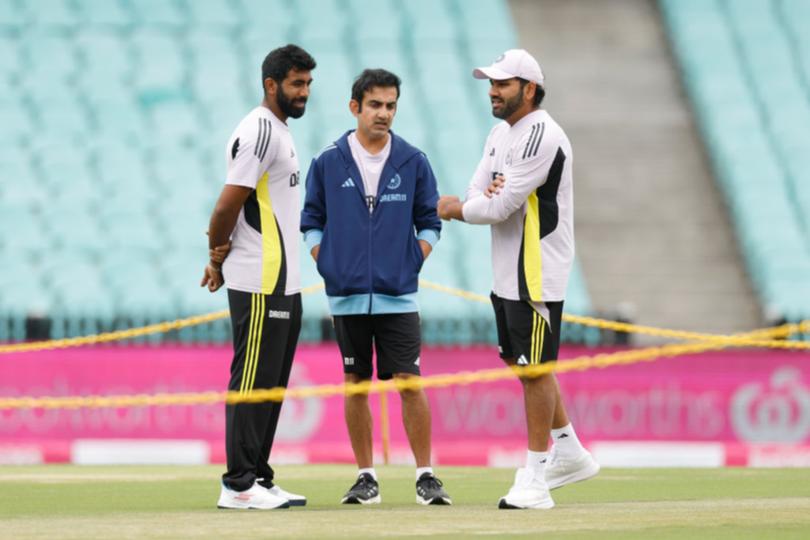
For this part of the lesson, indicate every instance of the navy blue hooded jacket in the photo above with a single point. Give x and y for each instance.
(370, 261)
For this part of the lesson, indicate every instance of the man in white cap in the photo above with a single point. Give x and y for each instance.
(523, 189)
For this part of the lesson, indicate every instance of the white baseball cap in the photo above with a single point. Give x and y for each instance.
(513, 63)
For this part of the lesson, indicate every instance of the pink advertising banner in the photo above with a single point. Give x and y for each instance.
(730, 397)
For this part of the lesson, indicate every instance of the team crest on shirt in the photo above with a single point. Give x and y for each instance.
(395, 182)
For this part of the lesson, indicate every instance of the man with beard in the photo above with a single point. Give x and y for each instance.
(257, 216)
(523, 189)
(370, 222)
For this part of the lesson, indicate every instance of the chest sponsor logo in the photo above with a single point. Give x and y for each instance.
(272, 314)
(295, 178)
(292, 152)
(492, 152)
(395, 182)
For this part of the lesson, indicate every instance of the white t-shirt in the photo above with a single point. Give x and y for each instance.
(370, 165)
(264, 250)
(532, 217)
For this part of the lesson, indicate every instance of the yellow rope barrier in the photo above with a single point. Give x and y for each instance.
(705, 342)
(780, 331)
(579, 363)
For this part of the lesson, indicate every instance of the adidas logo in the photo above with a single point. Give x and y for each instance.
(522, 361)
(348, 183)
(416, 363)
(563, 436)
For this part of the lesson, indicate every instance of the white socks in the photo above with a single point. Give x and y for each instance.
(422, 470)
(536, 461)
(370, 471)
(566, 442)
(419, 472)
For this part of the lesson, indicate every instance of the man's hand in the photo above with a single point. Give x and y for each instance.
(426, 248)
(449, 207)
(219, 253)
(212, 277)
(314, 252)
(495, 186)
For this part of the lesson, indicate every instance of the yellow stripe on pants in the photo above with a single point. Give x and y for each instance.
(249, 346)
(258, 345)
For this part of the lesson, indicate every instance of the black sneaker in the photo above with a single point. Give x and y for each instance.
(429, 490)
(365, 491)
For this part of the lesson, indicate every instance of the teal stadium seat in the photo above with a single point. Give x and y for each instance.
(56, 15)
(166, 14)
(105, 14)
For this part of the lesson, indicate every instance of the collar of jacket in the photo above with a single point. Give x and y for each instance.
(401, 150)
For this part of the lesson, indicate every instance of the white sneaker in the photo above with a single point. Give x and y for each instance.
(561, 470)
(294, 500)
(529, 491)
(256, 497)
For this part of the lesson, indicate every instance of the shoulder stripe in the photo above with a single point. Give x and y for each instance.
(322, 152)
(269, 130)
(263, 138)
(259, 138)
(529, 142)
(540, 138)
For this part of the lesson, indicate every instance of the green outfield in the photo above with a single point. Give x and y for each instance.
(69, 502)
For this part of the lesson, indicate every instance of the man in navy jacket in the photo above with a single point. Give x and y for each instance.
(370, 221)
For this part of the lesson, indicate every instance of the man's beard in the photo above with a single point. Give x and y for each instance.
(287, 107)
(509, 106)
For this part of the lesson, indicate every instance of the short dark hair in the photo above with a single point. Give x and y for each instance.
(278, 63)
(371, 78)
(539, 93)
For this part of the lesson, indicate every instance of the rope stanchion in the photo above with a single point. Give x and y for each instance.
(385, 426)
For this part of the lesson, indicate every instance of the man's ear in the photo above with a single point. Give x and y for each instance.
(354, 107)
(530, 91)
(270, 86)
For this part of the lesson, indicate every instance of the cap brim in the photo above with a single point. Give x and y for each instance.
(491, 73)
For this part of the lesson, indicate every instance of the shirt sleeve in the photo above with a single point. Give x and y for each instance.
(313, 214)
(482, 176)
(251, 150)
(426, 196)
(528, 172)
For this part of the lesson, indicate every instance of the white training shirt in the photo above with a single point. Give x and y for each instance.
(370, 165)
(264, 251)
(532, 217)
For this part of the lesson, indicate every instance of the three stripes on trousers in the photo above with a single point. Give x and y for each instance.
(538, 336)
(254, 340)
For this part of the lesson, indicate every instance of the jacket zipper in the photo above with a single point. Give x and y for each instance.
(370, 268)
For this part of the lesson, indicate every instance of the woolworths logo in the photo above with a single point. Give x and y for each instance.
(775, 412)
